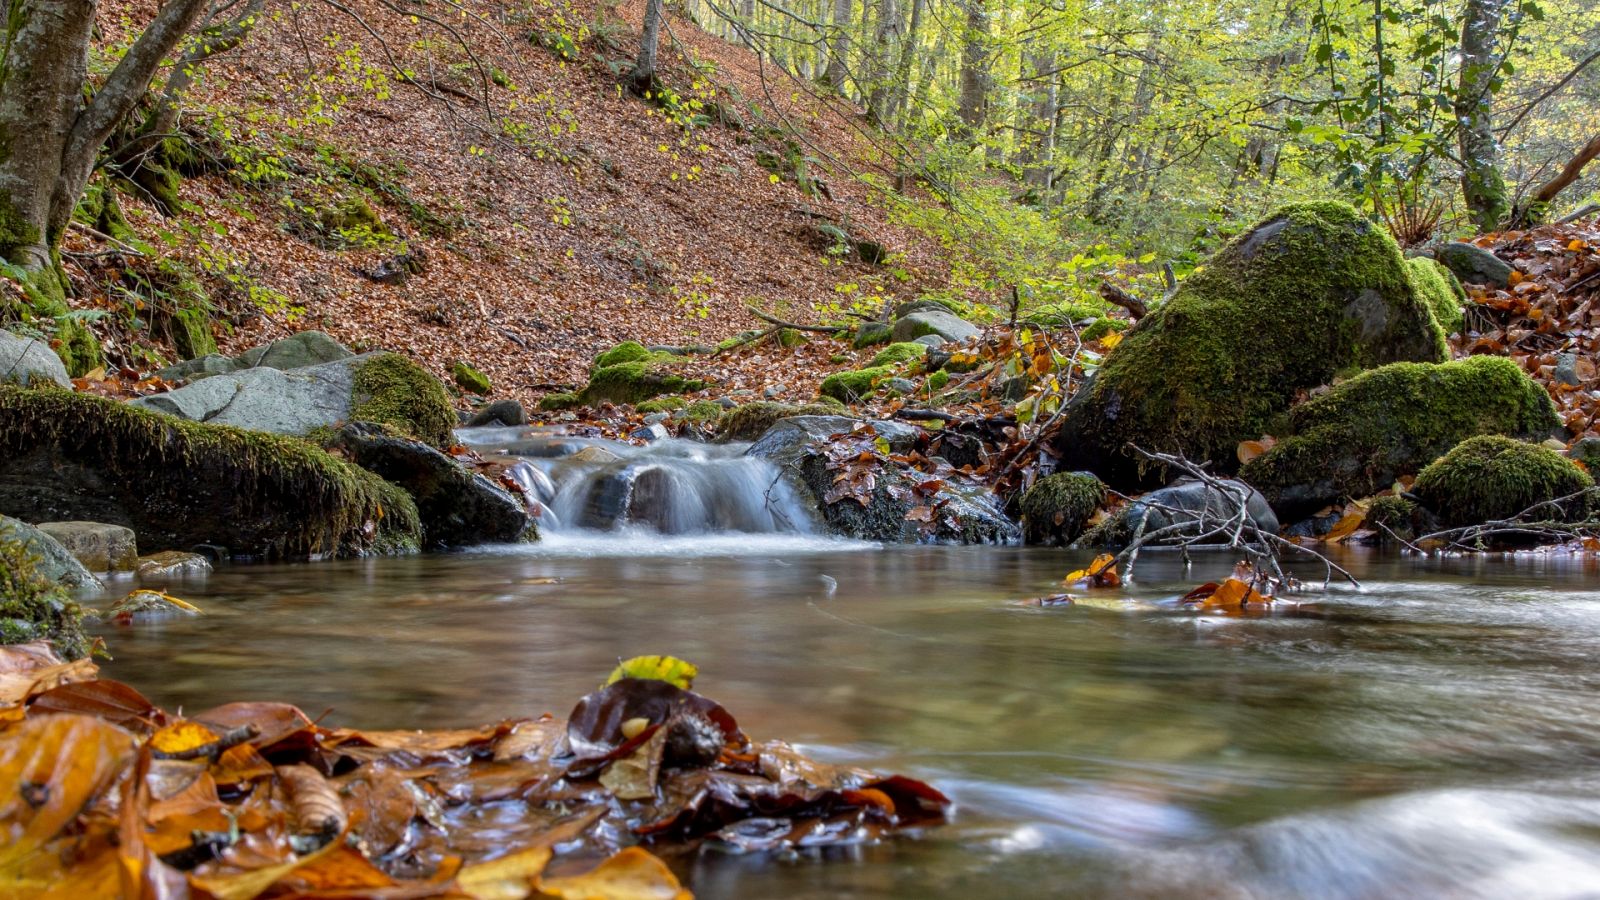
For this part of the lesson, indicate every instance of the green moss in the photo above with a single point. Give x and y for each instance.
(661, 404)
(1058, 507)
(393, 390)
(191, 333)
(1439, 289)
(351, 214)
(469, 379)
(1490, 478)
(46, 309)
(1359, 437)
(898, 353)
(625, 352)
(1101, 327)
(871, 334)
(1060, 315)
(702, 411)
(853, 387)
(553, 402)
(938, 380)
(633, 382)
(749, 421)
(789, 338)
(1394, 513)
(1312, 291)
(168, 473)
(32, 607)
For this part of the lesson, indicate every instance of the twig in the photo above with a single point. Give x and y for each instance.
(100, 235)
(1116, 296)
(765, 317)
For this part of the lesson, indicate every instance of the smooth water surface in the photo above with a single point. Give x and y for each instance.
(1434, 735)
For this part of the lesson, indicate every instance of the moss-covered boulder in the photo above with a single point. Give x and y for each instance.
(33, 607)
(1058, 507)
(855, 386)
(632, 382)
(1358, 438)
(625, 352)
(470, 379)
(871, 333)
(374, 387)
(1440, 290)
(749, 421)
(559, 401)
(894, 354)
(1489, 478)
(1313, 291)
(178, 483)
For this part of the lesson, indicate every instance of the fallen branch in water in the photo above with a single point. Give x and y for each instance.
(1475, 538)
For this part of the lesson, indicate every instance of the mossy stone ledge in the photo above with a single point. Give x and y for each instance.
(1313, 291)
(1057, 508)
(1358, 438)
(177, 483)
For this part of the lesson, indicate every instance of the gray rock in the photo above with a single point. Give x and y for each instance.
(1193, 505)
(595, 456)
(1474, 265)
(727, 402)
(500, 412)
(100, 547)
(26, 360)
(172, 565)
(774, 391)
(934, 321)
(967, 514)
(196, 369)
(901, 385)
(652, 432)
(1566, 371)
(308, 348)
(870, 333)
(912, 306)
(55, 562)
(931, 341)
(656, 418)
(458, 508)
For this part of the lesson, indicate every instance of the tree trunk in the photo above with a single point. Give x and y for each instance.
(908, 58)
(837, 73)
(882, 89)
(1482, 186)
(1037, 152)
(974, 74)
(1534, 210)
(644, 68)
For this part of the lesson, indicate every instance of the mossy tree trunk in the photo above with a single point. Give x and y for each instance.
(52, 125)
(1482, 186)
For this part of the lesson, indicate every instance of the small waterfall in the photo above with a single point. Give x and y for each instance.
(673, 487)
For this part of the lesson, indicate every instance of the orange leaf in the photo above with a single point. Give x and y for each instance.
(632, 874)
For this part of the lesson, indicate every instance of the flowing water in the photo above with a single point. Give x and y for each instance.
(1434, 735)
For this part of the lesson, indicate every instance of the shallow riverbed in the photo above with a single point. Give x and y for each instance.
(1436, 734)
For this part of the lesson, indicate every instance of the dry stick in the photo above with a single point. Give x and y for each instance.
(750, 339)
(1519, 524)
(820, 329)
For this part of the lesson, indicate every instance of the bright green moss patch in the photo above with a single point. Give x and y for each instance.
(625, 352)
(938, 380)
(34, 608)
(1058, 507)
(894, 354)
(1392, 513)
(393, 390)
(853, 387)
(749, 421)
(559, 401)
(633, 382)
(179, 483)
(1359, 437)
(661, 404)
(1491, 478)
(1313, 291)
(702, 411)
(1440, 290)
(469, 379)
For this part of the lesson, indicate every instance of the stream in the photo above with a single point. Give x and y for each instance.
(1436, 734)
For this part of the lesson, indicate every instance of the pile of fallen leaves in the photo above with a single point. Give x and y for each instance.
(104, 794)
(1551, 308)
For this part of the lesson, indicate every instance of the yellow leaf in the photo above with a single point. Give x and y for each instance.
(1111, 340)
(182, 737)
(632, 874)
(1346, 526)
(656, 668)
(507, 878)
(51, 768)
(1101, 573)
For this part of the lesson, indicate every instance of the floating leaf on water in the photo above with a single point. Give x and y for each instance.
(143, 604)
(1100, 573)
(670, 669)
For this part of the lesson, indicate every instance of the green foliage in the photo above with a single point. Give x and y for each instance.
(34, 608)
(1491, 478)
(392, 390)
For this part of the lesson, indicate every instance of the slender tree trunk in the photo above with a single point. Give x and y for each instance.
(1482, 186)
(1040, 138)
(974, 73)
(908, 58)
(837, 72)
(644, 68)
(1537, 206)
(881, 88)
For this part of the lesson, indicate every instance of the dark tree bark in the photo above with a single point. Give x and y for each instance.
(644, 68)
(1482, 186)
(974, 72)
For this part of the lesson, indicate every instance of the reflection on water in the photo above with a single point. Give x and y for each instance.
(1437, 734)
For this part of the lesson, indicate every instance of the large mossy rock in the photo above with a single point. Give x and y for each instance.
(943, 323)
(1358, 438)
(1057, 508)
(1312, 291)
(1440, 290)
(1473, 264)
(966, 514)
(1490, 478)
(458, 508)
(178, 483)
(33, 605)
(632, 373)
(375, 387)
